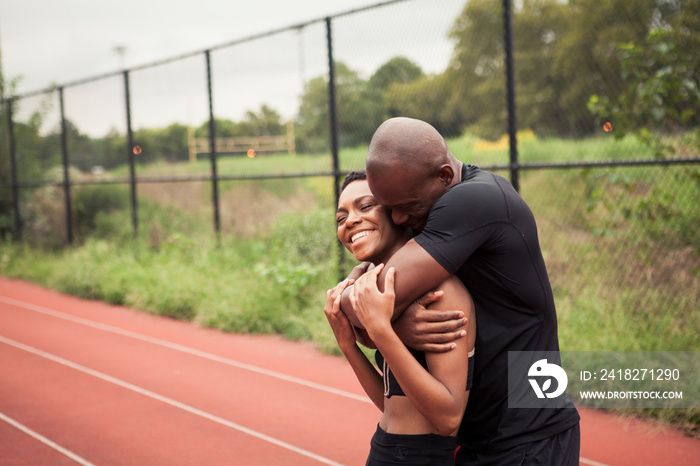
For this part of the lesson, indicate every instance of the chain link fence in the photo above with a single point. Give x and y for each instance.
(591, 108)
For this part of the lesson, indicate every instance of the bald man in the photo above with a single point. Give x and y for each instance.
(472, 224)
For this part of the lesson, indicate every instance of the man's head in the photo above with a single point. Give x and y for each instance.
(408, 167)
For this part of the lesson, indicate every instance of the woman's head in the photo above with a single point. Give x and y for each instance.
(364, 225)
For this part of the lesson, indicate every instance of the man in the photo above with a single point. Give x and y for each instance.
(473, 224)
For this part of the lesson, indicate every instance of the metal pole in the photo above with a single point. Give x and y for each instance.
(13, 169)
(66, 172)
(130, 144)
(510, 91)
(212, 149)
(333, 117)
(332, 109)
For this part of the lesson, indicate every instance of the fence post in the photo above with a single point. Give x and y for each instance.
(212, 149)
(66, 171)
(13, 169)
(333, 118)
(510, 91)
(332, 109)
(131, 148)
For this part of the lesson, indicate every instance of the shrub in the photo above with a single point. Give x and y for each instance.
(90, 201)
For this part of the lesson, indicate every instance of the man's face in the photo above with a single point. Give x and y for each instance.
(409, 196)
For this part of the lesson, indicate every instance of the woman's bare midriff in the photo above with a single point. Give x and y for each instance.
(401, 417)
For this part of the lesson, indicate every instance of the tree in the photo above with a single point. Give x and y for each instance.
(564, 52)
(661, 95)
(224, 128)
(585, 59)
(81, 149)
(538, 28)
(27, 141)
(173, 142)
(358, 111)
(396, 70)
(312, 124)
(168, 143)
(387, 88)
(267, 122)
(476, 69)
(110, 150)
(428, 99)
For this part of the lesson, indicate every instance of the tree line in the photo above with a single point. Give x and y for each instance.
(578, 64)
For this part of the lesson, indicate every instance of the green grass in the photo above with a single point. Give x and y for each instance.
(620, 244)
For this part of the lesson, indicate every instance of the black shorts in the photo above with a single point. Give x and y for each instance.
(559, 450)
(429, 449)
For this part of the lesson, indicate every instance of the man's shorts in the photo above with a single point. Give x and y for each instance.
(560, 450)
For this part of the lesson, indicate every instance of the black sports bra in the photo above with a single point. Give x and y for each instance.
(392, 387)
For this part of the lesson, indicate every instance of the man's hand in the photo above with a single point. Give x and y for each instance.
(358, 270)
(430, 330)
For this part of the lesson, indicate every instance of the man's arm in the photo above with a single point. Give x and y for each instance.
(417, 275)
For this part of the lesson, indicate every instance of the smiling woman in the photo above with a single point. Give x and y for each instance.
(364, 226)
(422, 396)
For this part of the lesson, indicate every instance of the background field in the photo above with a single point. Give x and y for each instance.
(621, 249)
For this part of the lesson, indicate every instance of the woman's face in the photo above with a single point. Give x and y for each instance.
(364, 225)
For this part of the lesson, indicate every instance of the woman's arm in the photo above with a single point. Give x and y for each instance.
(369, 378)
(439, 395)
(344, 333)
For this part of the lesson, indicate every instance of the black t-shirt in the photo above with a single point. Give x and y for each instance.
(482, 231)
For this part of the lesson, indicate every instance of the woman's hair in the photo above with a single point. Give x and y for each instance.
(353, 176)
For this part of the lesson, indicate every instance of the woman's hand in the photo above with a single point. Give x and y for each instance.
(373, 308)
(341, 326)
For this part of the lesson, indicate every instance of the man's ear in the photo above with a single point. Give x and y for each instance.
(445, 174)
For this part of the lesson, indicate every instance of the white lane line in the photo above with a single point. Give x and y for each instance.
(44, 440)
(164, 399)
(591, 462)
(182, 348)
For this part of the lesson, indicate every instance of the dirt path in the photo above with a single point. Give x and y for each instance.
(89, 383)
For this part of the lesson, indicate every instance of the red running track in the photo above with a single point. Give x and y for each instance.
(89, 383)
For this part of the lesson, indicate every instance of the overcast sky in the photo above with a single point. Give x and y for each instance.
(50, 42)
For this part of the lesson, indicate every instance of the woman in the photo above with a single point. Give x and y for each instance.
(422, 396)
